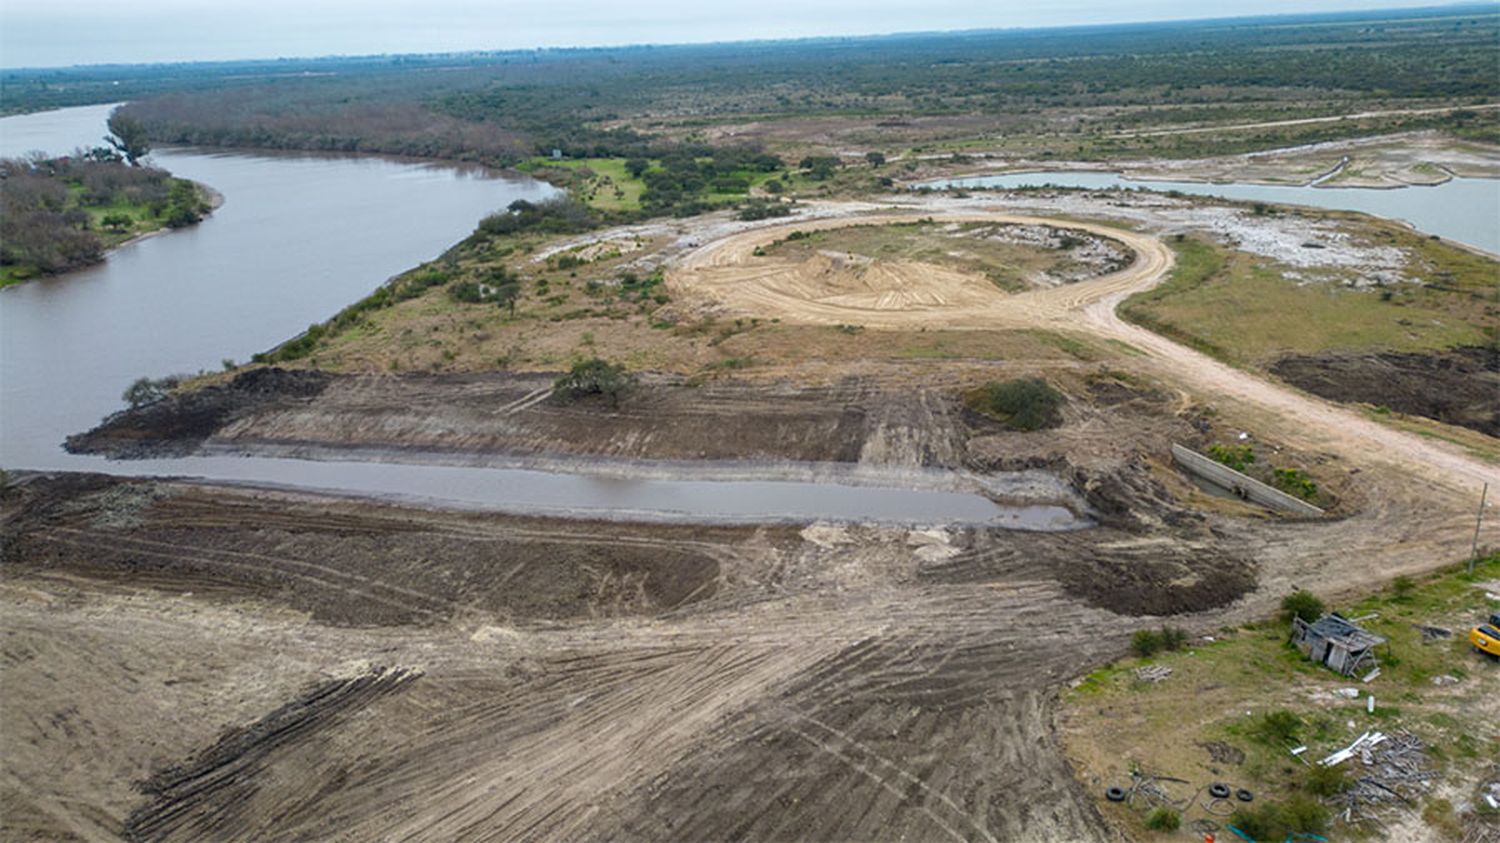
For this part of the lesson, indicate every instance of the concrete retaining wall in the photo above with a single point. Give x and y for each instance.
(1246, 487)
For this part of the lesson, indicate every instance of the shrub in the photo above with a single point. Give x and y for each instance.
(1145, 643)
(1163, 819)
(1173, 638)
(594, 377)
(1295, 482)
(1269, 821)
(1278, 727)
(760, 209)
(1325, 781)
(1302, 604)
(148, 390)
(1237, 457)
(1403, 587)
(1022, 404)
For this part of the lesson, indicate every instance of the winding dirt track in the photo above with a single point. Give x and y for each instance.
(728, 272)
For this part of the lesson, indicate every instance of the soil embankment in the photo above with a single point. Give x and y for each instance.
(1460, 386)
(178, 425)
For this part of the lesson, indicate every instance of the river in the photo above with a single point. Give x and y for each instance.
(1465, 210)
(298, 238)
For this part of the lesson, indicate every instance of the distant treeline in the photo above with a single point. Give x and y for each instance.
(499, 108)
(59, 214)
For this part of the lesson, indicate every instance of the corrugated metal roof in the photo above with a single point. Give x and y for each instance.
(1338, 628)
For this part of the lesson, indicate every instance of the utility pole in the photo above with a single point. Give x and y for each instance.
(1478, 519)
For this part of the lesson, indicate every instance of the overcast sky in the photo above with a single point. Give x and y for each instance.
(46, 33)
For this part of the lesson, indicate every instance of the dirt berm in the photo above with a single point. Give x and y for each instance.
(178, 425)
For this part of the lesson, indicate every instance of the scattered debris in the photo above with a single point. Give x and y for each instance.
(1368, 739)
(1445, 679)
(1153, 673)
(1371, 675)
(1433, 633)
(1149, 788)
(1395, 771)
(1351, 693)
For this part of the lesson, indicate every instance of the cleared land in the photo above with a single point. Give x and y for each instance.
(184, 662)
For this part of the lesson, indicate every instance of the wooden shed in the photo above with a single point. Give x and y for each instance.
(1338, 643)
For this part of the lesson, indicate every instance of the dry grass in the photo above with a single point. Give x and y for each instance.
(1243, 310)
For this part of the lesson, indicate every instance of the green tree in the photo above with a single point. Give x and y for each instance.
(128, 136)
(636, 166)
(594, 377)
(876, 159)
(147, 391)
(116, 222)
(1022, 404)
(1302, 604)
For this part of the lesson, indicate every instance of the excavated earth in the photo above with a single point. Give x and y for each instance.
(1460, 386)
(188, 662)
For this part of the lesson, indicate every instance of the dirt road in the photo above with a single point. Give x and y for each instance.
(1303, 121)
(729, 273)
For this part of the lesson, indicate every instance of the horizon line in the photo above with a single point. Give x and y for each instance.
(1491, 7)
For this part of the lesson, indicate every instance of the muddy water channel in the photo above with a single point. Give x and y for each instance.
(1465, 210)
(299, 237)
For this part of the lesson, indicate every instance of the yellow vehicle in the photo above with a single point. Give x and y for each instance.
(1486, 639)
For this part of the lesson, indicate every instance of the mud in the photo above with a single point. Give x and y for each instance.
(1460, 386)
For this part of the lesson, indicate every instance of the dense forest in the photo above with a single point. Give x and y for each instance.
(59, 214)
(500, 108)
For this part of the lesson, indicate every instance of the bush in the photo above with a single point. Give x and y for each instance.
(1022, 404)
(1163, 819)
(1302, 604)
(1269, 821)
(1278, 727)
(594, 377)
(148, 391)
(1173, 638)
(1237, 457)
(759, 209)
(1295, 482)
(1403, 587)
(1145, 643)
(1325, 781)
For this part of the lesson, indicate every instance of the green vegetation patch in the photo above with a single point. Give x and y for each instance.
(1233, 708)
(61, 214)
(1247, 311)
(1022, 404)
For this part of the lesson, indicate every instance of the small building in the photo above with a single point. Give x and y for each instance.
(1338, 643)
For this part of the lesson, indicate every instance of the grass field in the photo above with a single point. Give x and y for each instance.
(1246, 311)
(1220, 690)
(606, 184)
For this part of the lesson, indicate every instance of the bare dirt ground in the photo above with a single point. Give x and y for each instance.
(1382, 161)
(185, 663)
(727, 272)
